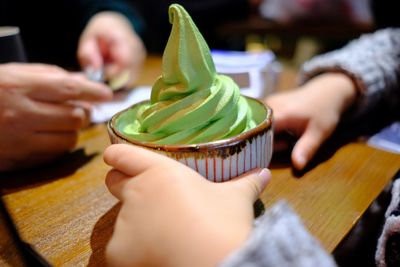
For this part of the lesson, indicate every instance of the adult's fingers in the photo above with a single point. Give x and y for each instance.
(52, 143)
(62, 87)
(115, 182)
(120, 59)
(89, 53)
(37, 67)
(50, 117)
(119, 70)
(126, 56)
(251, 184)
(51, 84)
(133, 160)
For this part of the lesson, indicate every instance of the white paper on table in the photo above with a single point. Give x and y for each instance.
(123, 99)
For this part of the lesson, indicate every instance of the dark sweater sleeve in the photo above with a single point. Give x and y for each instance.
(372, 61)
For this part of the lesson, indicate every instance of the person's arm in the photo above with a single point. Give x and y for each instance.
(172, 216)
(311, 113)
(111, 40)
(372, 62)
(359, 76)
(110, 43)
(61, 23)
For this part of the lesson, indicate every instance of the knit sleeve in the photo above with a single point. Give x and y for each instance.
(387, 251)
(372, 61)
(279, 239)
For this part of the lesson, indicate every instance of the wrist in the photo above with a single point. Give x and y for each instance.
(338, 87)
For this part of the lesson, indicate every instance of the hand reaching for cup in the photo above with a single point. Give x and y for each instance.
(109, 42)
(42, 107)
(312, 112)
(169, 212)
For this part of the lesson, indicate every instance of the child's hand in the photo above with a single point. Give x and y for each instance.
(312, 112)
(172, 216)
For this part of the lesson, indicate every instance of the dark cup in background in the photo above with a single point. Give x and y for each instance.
(11, 47)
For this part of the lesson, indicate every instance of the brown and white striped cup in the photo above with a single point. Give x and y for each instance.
(218, 161)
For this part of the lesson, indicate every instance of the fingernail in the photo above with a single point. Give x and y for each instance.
(106, 93)
(301, 161)
(78, 112)
(265, 176)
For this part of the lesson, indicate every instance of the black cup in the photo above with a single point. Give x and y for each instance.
(11, 47)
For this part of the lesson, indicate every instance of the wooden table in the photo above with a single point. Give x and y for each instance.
(65, 211)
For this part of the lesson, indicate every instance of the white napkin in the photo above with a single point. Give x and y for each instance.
(102, 112)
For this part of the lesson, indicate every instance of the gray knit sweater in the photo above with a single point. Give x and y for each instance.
(279, 238)
(372, 61)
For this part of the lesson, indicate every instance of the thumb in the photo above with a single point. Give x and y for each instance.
(252, 183)
(115, 182)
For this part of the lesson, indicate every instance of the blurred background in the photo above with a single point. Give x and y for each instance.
(294, 30)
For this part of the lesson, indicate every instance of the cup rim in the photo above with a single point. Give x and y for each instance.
(266, 123)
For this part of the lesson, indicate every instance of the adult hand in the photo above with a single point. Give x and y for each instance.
(39, 114)
(172, 216)
(312, 112)
(110, 42)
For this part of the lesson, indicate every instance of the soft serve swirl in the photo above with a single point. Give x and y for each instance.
(190, 103)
